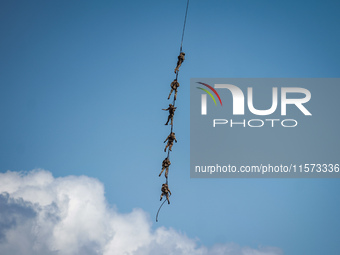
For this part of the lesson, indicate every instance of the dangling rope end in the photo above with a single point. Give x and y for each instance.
(159, 210)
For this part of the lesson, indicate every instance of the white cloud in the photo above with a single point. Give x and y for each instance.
(43, 215)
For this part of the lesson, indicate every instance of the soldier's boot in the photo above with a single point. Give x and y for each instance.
(161, 171)
(167, 121)
(161, 197)
(170, 146)
(178, 66)
(166, 147)
(167, 198)
(170, 93)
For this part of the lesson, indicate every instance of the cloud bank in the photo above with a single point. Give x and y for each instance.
(43, 215)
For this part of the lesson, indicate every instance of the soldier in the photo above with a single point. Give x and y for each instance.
(171, 138)
(165, 192)
(174, 85)
(171, 110)
(165, 165)
(180, 61)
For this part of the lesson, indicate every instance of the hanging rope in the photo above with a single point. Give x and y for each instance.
(159, 210)
(185, 21)
(172, 125)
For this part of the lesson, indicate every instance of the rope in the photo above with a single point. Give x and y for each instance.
(159, 210)
(174, 101)
(185, 21)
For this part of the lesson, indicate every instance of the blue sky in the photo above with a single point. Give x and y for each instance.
(83, 83)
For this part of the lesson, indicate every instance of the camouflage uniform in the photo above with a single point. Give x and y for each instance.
(171, 138)
(165, 192)
(171, 110)
(174, 85)
(180, 61)
(165, 165)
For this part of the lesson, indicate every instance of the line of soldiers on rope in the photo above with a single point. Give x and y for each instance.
(171, 137)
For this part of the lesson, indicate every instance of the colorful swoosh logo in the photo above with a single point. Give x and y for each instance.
(209, 93)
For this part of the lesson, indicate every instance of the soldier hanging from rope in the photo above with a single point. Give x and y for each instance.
(180, 61)
(171, 138)
(165, 192)
(171, 110)
(165, 165)
(174, 85)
